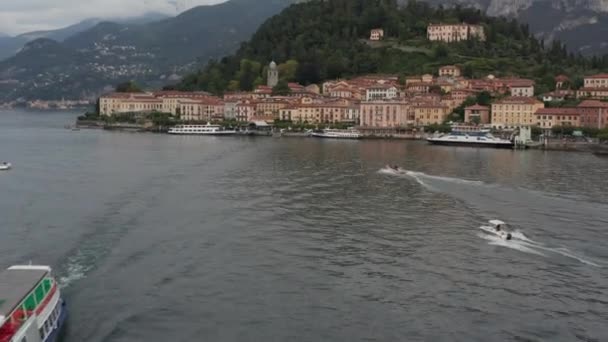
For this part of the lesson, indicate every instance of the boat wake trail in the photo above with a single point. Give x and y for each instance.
(513, 244)
(421, 177)
(522, 243)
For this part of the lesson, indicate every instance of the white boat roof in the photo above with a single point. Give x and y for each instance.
(497, 222)
(15, 285)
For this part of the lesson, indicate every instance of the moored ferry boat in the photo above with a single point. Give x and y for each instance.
(207, 129)
(338, 134)
(481, 138)
(31, 306)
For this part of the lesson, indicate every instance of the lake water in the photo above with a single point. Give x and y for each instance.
(164, 238)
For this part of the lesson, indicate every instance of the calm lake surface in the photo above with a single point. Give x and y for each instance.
(163, 238)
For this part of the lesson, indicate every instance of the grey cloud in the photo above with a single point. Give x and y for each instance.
(18, 16)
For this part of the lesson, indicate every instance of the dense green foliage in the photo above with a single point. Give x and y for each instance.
(327, 39)
(128, 87)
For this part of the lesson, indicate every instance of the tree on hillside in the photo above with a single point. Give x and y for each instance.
(281, 89)
(287, 70)
(128, 87)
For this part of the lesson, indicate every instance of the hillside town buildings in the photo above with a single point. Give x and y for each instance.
(382, 102)
(376, 34)
(449, 33)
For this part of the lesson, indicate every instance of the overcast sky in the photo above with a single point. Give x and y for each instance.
(19, 16)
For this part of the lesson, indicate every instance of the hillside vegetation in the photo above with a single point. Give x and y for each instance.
(320, 40)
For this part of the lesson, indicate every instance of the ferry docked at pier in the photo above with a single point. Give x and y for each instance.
(473, 138)
(207, 129)
(338, 134)
(31, 306)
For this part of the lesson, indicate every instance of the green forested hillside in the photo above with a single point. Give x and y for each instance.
(319, 40)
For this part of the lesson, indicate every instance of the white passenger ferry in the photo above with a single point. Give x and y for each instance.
(481, 138)
(338, 134)
(31, 307)
(207, 129)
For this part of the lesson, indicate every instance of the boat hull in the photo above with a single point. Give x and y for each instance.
(326, 136)
(204, 133)
(57, 332)
(471, 144)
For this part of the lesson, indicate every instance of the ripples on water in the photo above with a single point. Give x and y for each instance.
(161, 238)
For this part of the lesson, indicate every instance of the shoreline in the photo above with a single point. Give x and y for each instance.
(559, 146)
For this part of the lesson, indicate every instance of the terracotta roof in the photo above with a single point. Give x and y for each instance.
(593, 104)
(558, 111)
(561, 78)
(598, 76)
(518, 100)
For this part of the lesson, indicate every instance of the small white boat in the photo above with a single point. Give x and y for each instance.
(207, 129)
(5, 166)
(498, 228)
(338, 134)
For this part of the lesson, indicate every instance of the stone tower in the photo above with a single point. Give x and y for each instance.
(273, 74)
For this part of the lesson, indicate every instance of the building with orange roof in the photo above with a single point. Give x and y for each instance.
(594, 114)
(429, 114)
(548, 118)
(384, 113)
(477, 114)
(512, 112)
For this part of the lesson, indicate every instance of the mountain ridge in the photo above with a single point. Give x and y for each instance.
(110, 53)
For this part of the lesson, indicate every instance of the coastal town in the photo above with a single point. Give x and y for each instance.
(388, 105)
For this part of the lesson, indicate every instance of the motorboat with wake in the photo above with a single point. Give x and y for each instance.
(5, 166)
(498, 228)
(479, 138)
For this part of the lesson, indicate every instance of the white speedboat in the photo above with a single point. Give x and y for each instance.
(338, 134)
(498, 228)
(207, 129)
(5, 166)
(473, 139)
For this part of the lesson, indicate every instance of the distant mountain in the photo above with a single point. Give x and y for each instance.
(9, 46)
(108, 53)
(581, 24)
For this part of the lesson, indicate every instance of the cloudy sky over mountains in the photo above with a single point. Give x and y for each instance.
(19, 16)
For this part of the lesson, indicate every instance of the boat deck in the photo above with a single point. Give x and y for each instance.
(16, 285)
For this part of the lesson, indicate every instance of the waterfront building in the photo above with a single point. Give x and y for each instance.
(512, 112)
(385, 114)
(449, 70)
(594, 114)
(429, 114)
(245, 111)
(203, 109)
(376, 34)
(269, 108)
(449, 33)
(548, 118)
(273, 75)
(161, 101)
(325, 111)
(477, 114)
